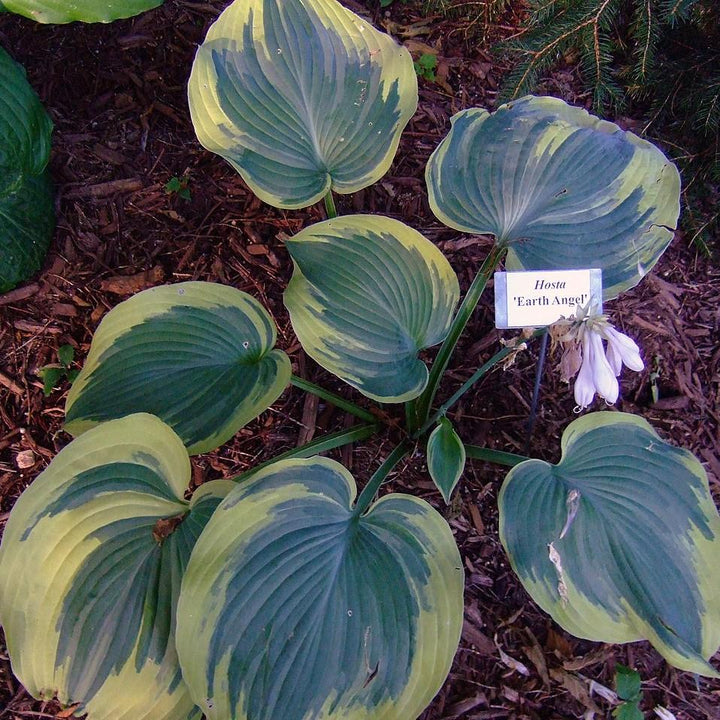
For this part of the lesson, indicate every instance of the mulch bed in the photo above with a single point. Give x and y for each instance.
(117, 96)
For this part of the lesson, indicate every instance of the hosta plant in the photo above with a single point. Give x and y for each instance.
(283, 592)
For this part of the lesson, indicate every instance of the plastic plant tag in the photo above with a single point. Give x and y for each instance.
(536, 298)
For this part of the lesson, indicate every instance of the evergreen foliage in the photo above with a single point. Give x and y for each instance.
(657, 59)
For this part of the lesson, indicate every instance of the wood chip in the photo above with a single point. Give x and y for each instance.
(477, 520)
(481, 642)
(536, 656)
(64, 310)
(512, 663)
(576, 687)
(109, 156)
(309, 419)
(600, 655)
(18, 294)
(34, 328)
(11, 385)
(106, 189)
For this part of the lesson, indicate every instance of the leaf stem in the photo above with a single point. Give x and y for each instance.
(498, 357)
(373, 485)
(423, 403)
(331, 397)
(494, 456)
(321, 444)
(330, 208)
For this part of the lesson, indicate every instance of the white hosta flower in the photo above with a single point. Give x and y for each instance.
(599, 367)
(622, 350)
(596, 375)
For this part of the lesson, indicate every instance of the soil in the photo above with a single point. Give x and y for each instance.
(117, 96)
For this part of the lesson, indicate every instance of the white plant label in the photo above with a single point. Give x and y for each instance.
(535, 298)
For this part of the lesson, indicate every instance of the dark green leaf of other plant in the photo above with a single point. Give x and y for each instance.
(25, 126)
(425, 66)
(192, 367)
(27, 222)
(179, 186)
(27, 216)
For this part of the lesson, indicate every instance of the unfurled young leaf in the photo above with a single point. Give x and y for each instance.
(620, 540)
(66, 354)
(178, 186)
(628, 686)
(27, 214)
(367, 294)
(301, 97)
(445, 457)
(560, 188)
(295, 607)
(50, 376)
(198, 355)
(90, 567)
(425, 66)
(628, 711)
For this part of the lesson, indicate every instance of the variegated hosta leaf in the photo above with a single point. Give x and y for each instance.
(89, 11)
(197, 354)
(90, 568)
(445, 457)
(300, 97)
(294, 607)
(560, 188)
(620, 540)
(368, 293)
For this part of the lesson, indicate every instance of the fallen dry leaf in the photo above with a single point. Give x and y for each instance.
(130, 284)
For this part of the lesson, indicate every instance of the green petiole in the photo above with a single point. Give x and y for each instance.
(499, 457)
(498, 357)
(330, 208)
(314, 447)
(370, 490)
(420, 408)
(331, 397)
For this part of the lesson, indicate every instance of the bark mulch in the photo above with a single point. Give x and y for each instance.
(116, 94)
